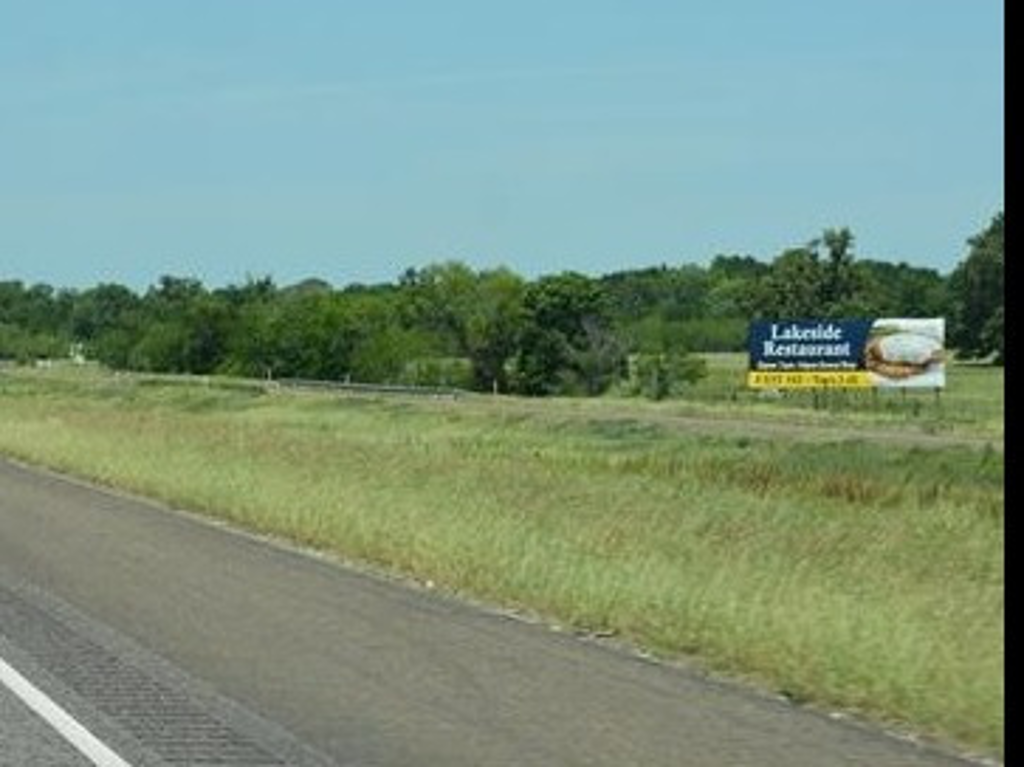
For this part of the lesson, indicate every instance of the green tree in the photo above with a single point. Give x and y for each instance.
(297, 335)
(101, 309)
(207, 322)
(676, 293)
(839, 280)
(477, 316)
(181, 327)
(567, 342)
(24, 346)
(171, 296)
(889, 289)
(161, 348)
(977, 287)
(255, 290)
(597, 362)
(494, 326)
(34, 319)
(794, 285)
(992, 336)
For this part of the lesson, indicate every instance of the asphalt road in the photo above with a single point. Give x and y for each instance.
(28, 742)
(174, 638)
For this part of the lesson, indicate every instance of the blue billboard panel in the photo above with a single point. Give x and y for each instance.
(808, 344)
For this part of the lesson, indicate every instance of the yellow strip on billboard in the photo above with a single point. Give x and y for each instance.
(823, 379)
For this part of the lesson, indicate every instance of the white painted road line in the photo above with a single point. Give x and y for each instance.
(88, 744)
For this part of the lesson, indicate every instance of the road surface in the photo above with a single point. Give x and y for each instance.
(176, 641)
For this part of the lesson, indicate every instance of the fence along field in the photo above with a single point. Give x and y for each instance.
(857, 574)
(972, 403)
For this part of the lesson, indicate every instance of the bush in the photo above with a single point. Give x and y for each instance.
(660, 375)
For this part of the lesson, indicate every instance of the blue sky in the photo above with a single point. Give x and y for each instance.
(350, 140)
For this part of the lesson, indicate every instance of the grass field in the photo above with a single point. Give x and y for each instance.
(860, 573)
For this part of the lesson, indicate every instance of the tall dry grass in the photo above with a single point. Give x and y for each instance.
(848, 574)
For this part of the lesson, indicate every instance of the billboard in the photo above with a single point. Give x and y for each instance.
(849, 353)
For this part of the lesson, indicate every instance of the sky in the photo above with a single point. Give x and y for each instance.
(348, 141)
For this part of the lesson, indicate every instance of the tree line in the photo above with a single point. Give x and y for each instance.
(491, 329)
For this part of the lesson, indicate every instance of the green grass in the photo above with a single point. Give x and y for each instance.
(850, 574)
